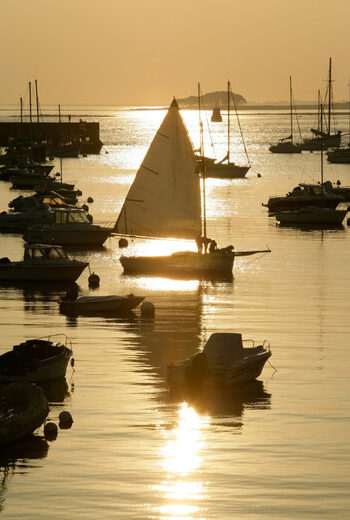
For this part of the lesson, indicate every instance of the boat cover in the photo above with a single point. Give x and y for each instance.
(223, 348)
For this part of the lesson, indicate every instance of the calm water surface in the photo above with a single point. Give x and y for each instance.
(279, 449)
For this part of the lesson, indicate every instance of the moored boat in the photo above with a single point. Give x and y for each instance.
(36, 361)
(312, 215)
(71, 227)
(224, 361)
(42, 263)
(95, 305)
(24, 408)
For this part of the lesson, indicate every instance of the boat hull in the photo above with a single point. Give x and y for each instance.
(20, 271)
(84, 236)
(226, 171)
(324, 216)
(285, 148)
(294, 203)
(340, 156)
(43, 371)
(100, 305)
(321, 143)
(180, 263)
(30, 409)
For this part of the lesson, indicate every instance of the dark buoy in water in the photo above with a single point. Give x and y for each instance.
(338, 182)
(85, 207)
(90, 199)
(65, 420)
(122, 242)
(93, 280)
(57, 174)
(90, 218)
(79, 193)
(259, 175)
(50, 431)
(148, 310)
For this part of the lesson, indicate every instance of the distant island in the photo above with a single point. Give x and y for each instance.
(212, 100)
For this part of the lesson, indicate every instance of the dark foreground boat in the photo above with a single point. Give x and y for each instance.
(42, 263)
(304, 195)
(224, 361)
(24, 408)
(35, 361)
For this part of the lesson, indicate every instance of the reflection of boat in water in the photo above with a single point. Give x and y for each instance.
(24, 409)
(224, 361)
(216, 116)
(56, 391)
(35, 361)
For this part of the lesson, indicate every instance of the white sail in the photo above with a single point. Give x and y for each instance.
(164, 200)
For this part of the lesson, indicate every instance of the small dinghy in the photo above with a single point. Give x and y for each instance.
(94, 305)
(23, 408)
(36, 361)
(224, 361)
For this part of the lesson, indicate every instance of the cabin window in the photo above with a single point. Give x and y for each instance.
(78, 217)
(37, 254)
(53, 253)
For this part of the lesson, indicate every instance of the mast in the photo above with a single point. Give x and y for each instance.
(291, 108)
(329, 95)
(30, 102)
(37, 101)
(204, 218)
(349, 112)
(61, 162)
(21, 108)
(321, 111)
(228, 121)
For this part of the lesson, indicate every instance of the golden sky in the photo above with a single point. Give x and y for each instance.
(145, 51)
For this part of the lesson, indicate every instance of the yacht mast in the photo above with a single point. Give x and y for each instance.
(204, 218)
(21, 105)
(291, 108)
(228, 121)
(329, 94)
(37, 101)
(30, 102)
(321, 110)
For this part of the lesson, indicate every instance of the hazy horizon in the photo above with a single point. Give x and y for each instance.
(105, 53)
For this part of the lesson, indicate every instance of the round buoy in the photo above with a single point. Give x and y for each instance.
(85, 207)
(148, 310)
(65, 420)
(50, 431)
(338, 182)
(79, 193)
(58, 174)
(90, 218)
(122, 242)
(259, 175)
(90, 199)
(94, 280)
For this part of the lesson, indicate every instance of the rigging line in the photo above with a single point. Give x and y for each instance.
(206, 117)
(297, 117)
(256, 259)
(240, 128)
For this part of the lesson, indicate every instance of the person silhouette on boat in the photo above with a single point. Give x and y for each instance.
(202, 244)
(213, 246)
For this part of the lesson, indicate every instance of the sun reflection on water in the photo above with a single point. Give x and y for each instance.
(182, 459)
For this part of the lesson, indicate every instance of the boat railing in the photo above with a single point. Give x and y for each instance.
(265, 344)
(67, 342)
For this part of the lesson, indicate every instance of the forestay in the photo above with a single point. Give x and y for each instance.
(164, 199)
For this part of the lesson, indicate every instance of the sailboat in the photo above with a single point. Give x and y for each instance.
(223, 169)
(314, 214)
(341, 155)
(324, 139)
(286, 145)
(164, 201)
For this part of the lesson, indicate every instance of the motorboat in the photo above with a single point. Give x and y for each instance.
(23, 409)
(36, 361)
(70, 227)
(21, 203)
(304, 195)
(95, 305)
(28, 181)
(42, 263)
(19, 221)
(224, 361)
(312, 215)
